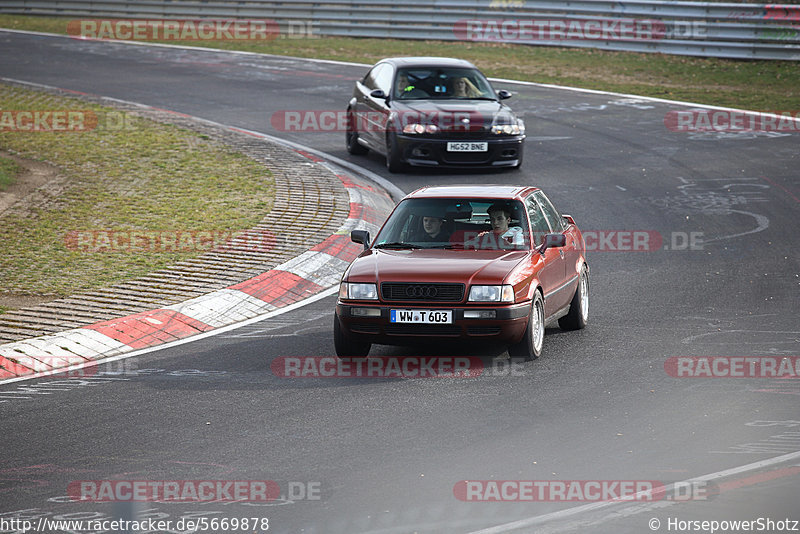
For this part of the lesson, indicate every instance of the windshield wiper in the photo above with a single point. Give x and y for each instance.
(448, 247)
(395, 245)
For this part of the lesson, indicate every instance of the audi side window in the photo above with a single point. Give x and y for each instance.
(539, 226)
(553, 216)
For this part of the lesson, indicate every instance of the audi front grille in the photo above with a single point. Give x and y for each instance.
(400, 291)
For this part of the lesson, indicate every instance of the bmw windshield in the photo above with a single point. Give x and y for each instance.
(442, 83)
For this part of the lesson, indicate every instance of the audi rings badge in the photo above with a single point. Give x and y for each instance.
(421, 292)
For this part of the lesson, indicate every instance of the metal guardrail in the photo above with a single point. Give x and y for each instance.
(731, 30)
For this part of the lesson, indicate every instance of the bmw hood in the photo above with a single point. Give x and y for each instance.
(457, 114)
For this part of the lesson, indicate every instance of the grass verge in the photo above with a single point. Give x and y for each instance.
(142, 176)
(748, 84)
(8, 172)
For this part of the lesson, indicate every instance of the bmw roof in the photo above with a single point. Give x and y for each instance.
(427, 62)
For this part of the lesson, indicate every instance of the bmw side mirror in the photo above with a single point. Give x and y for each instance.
(553, 240)
(378, 93)
(502, 94)
(360, 236)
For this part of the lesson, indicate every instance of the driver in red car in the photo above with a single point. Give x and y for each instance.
(434, 232)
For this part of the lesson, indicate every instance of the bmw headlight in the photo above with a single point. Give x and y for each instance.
(504, 293)
(509, 129)
(417, 128)
(352, 291)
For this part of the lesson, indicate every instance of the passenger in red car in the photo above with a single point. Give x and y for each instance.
(501, 236)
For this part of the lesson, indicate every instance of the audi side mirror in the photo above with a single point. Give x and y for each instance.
(378, 93)
(552, 240)
(502, 94)
(360, 236)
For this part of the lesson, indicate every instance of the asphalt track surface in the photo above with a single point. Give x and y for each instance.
(384, 455)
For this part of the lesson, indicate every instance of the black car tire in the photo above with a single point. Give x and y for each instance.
(351, 135)
(394, 163)
(346, 346)
(578, 314)
(530, 346)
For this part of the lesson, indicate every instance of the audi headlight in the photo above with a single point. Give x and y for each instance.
(358, 291)
(504, 293)
(416, 128)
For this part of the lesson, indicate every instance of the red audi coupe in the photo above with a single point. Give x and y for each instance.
(490, 262)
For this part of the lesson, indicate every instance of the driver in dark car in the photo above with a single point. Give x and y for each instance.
(405, 89)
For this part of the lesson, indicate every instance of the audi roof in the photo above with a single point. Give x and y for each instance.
(467, 191)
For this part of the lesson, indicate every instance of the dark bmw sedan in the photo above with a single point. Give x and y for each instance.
(433, 112)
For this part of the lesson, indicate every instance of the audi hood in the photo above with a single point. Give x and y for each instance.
(434, 265)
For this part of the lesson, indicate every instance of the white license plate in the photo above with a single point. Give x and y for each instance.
(421, 316)
(467, 147)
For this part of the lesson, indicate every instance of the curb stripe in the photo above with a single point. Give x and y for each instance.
(150, 328)
(9, 369)
(277, 287)
(339, 246)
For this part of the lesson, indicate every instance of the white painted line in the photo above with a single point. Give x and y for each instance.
(762, 223)
(570, 512)
(547, 138)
